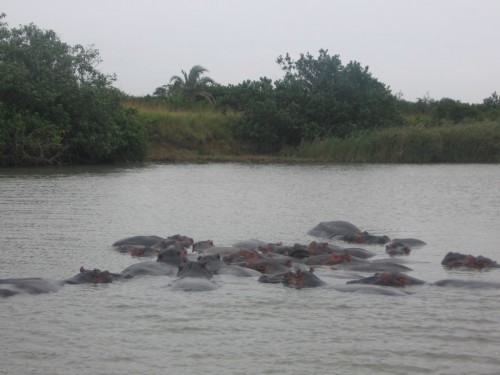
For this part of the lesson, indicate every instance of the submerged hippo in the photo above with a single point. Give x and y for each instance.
(152, 242)
(95, 276)
(345, 231)
(174, 255)
(194, 269)
(150, 268)
(471, 284)
(139, 240)
(301, 279)
(32, 285)
(199, 246)
(139, 250)
(331, 229)
(328, 259)
(395, 279)
(410, 242)
(267, 266)
(397, 248)
(364, 237)
(379, 266)
(194, 276)
(369, 289)
(454, 260)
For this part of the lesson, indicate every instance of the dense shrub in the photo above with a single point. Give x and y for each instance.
(56, 107)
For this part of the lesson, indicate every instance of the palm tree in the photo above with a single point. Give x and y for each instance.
(192, 85)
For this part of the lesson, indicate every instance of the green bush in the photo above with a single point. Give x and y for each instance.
(56, 108)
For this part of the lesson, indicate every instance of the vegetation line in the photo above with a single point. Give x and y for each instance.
(57, 108)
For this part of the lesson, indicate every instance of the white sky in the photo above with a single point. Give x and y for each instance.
(446, 48)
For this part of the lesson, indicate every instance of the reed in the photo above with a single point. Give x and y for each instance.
(477, 142)
(204, 134)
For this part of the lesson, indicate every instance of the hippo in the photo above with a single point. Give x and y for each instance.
(410, 242)
(233, 270)
(243, 255)
(328, 259)
(276, 278)
(395, 279)
(365, 266)
(364, 237)
(194, 276)
(397, 248)
(267, 266)
(194, 269)
(345, 231)
(222, 250)
(138, 250)
(174, 255)
(453, 260)
(301, 279)
(471, 284)
(254, 244)
(358, 252)
(320, 248)
(150, 268)
(155, 241)
(184, 241)
(95, 276)
(199, 246)
(139, 240)
(215, 265)
(331, 229)
(32, 285)
(212, 262)
(369, 289)
(297, 251)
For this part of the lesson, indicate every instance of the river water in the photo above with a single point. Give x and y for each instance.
(52, 221)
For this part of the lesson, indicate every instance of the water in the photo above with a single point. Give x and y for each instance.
(52, 221)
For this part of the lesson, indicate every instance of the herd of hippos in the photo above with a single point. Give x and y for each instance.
(291, 266)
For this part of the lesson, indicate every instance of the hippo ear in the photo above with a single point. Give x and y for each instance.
(218, 255)
(311, 269)
(298, 272)
(82, 270)
(96, 271)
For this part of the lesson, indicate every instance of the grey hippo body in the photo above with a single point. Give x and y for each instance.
(301, 279)
(345, 231)
(32, 285)
(194, 276)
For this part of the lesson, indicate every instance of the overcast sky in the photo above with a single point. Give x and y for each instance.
(443, 48)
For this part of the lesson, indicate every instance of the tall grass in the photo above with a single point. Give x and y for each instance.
(477, 142)
(186, 134)
(203, 133)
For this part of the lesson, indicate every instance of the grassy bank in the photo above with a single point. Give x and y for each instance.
(186, 136)
(477, 142)
(205, 135)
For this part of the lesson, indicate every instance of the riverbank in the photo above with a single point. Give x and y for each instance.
(205, 136)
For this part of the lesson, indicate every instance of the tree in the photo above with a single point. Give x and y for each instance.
(56, 107)
(192, 85)
(316, 98)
